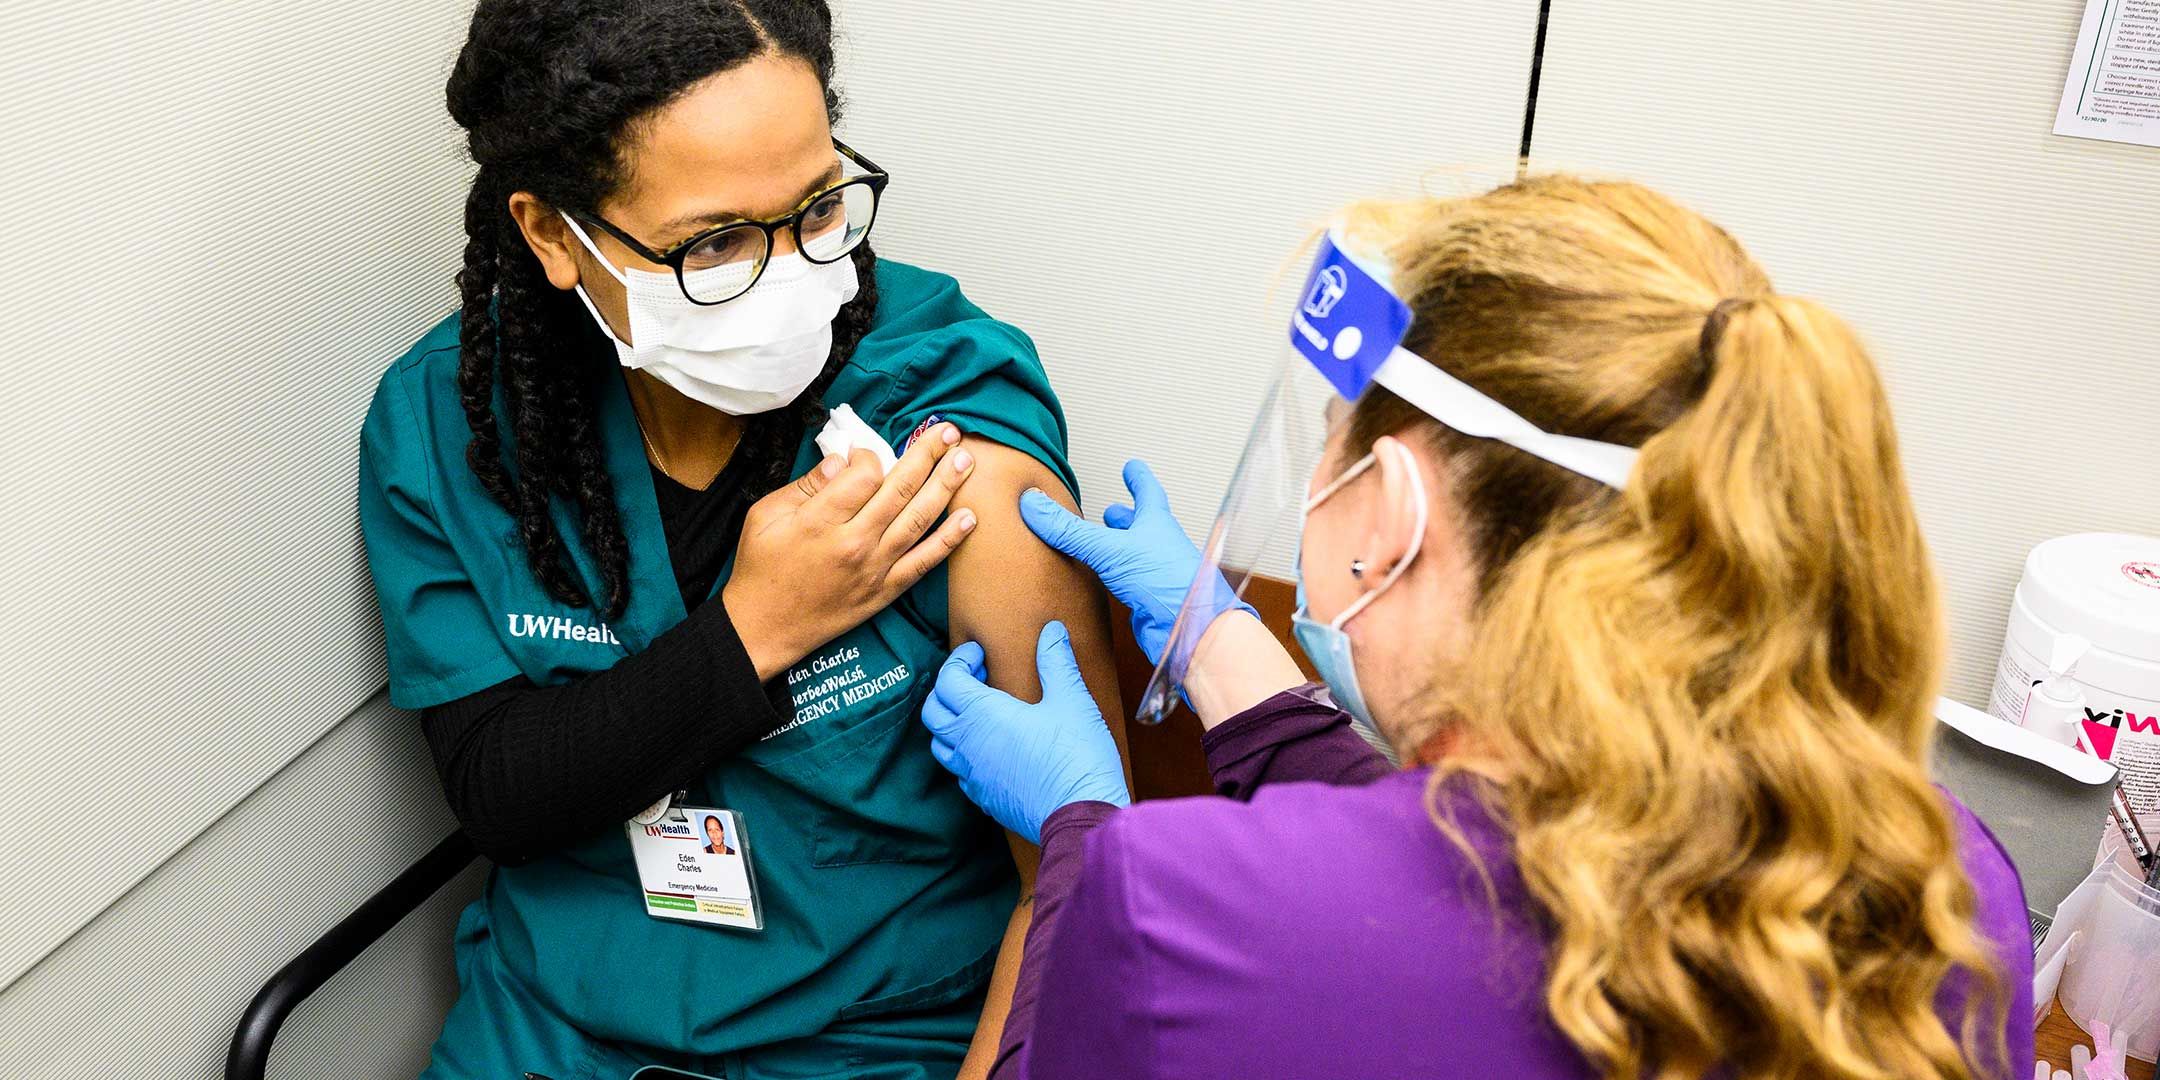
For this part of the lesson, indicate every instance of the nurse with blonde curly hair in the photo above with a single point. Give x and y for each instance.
(1610, 544)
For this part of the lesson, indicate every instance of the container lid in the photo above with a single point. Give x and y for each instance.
(2104, 586)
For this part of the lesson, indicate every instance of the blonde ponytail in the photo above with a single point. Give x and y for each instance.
(1712, 690)
(1782, 502)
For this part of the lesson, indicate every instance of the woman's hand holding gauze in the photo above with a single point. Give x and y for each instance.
(840, 543)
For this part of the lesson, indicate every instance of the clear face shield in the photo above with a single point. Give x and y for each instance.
(1345, 335)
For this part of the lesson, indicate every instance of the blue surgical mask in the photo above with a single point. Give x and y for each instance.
(1325, 643)
(1329, 650)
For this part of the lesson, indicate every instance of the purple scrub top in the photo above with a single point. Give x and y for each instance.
(1315, 923)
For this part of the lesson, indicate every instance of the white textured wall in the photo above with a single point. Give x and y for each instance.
(1894, 161)
(1127, 180)
(224, 220)
(153, 986)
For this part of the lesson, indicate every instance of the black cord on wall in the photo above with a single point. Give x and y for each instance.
(1537, 65)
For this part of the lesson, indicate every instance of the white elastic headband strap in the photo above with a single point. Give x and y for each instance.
(1460, 406)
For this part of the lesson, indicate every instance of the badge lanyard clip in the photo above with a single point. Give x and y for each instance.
(669, 806)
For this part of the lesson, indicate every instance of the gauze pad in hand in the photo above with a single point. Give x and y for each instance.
(846, 431)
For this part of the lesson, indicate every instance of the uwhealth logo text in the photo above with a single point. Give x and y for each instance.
(559, 628)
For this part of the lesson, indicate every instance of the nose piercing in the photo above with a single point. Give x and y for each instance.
(1357, 568)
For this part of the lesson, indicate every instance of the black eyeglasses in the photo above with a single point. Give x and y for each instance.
(723, 262)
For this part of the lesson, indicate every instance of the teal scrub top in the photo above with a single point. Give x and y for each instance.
(884, 889)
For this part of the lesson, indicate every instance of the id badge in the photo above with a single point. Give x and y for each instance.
(693, 864)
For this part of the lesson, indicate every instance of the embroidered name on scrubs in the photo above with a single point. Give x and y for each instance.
(856, 670)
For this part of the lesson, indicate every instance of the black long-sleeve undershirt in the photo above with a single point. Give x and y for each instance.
(529, 770)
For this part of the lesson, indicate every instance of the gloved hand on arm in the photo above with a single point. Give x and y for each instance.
(1017, 761)
(1140, 552)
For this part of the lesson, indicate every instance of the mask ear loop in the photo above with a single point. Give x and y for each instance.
(619, 276)
(586, 298)
(1422, 515)
(1335, 485)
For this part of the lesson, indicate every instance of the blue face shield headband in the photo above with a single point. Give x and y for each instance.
(1345, 335)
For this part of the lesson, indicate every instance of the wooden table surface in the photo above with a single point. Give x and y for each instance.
(2058, 1033)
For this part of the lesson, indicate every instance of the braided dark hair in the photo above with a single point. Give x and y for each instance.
(545, 90)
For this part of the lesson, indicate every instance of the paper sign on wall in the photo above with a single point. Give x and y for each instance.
(2113, 89)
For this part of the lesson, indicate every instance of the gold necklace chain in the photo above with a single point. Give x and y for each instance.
(654, 452)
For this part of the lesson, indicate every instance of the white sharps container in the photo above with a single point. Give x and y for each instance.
(2105, 588)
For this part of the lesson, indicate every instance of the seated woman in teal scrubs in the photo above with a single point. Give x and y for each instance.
(619, 578)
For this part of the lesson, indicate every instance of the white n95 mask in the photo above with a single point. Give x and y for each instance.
(752, 354)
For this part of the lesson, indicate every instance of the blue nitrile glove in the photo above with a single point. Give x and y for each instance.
(1140, 552)
(1017, 761)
